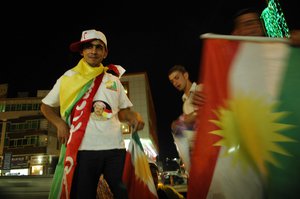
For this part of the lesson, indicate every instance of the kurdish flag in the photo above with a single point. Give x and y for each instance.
(136, 175)
(248, 138)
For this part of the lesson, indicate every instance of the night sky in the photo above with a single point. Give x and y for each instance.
(149, 36)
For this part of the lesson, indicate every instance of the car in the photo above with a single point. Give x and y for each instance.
(173, 178)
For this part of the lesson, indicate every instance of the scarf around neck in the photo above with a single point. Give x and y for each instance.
(76, 96)
(73, 87)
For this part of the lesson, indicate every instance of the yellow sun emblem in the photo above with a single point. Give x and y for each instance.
(250, 131)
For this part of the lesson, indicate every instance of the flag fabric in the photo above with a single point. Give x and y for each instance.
(183, 138)
(247, 141)
(57, 180)
(137, 176)
(62, 181)
(76, 97)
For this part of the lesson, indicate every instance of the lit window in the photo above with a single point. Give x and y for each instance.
(125, 128)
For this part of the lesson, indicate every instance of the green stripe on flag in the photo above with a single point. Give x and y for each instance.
(78, 97)
(56, 185)
(137, 140)
(284, 182)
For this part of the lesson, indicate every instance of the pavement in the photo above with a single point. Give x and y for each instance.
(25, 187)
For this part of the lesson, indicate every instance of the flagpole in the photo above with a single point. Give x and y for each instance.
(244, 38)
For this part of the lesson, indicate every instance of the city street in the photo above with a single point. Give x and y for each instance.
(25, 187)
(36, 187)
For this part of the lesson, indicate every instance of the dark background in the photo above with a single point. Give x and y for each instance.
(146, 36)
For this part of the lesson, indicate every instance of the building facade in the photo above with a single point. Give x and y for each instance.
(29, 145)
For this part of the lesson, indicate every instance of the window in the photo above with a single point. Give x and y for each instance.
(19, 142)
(2, 107)
(13, 107)
(33, 140)
(18, 107)
(11, 143)
(24, 141)
(36, 106)
(125, 128)
(24, 108)
(7, 107)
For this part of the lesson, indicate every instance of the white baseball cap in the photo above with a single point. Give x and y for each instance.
(87, 36)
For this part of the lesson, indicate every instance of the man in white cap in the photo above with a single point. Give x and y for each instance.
(89, 147)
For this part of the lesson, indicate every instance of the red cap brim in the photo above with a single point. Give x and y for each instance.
(75, 47)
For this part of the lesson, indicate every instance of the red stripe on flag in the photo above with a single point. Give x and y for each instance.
(135, 157)
(216, 60)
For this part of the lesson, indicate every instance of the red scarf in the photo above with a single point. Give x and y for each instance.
(79, 119)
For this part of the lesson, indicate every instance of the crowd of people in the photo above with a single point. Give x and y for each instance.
(91, 111)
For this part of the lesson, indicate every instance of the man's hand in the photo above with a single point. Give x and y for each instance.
(198, 99)
(295, 37)
(63, 132)
(134, 119)
(62, 127)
